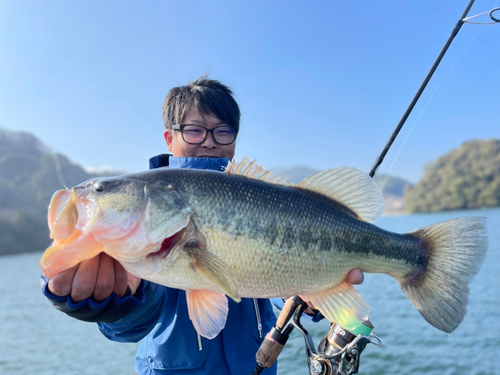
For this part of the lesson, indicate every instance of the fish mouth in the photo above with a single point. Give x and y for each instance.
(62, 215)
(66, 253)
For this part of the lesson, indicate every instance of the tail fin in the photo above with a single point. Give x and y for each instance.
(456, 250)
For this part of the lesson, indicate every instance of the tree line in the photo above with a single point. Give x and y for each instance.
(468, 177)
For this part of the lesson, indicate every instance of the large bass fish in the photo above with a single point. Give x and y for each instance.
(248, 234)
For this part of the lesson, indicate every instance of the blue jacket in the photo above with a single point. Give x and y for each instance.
(158, 316)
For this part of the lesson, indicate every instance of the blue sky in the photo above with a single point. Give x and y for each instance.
(319, 83)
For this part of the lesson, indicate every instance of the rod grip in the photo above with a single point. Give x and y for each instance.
(276, 339)
(270, 349)
(285, 313)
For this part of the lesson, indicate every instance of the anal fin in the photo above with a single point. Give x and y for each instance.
(208, 311)
(342, 304)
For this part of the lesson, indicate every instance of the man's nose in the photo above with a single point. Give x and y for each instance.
(209, 141)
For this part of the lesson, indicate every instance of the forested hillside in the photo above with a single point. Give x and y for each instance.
(468, 177)
(29, 175)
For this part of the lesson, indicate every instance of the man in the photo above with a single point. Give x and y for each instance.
(202, 124)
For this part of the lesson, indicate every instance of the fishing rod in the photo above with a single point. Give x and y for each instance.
(463, 19)
(339, 351)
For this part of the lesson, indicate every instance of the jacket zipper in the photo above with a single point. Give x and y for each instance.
(257, 315)
(200, 344)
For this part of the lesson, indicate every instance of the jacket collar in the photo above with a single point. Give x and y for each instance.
(167, 160)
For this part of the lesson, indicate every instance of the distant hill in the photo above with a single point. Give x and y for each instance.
(394, 189)
(468, 177)
(29, 174)
(294, 174)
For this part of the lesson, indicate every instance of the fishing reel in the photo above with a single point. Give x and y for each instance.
(338, 352)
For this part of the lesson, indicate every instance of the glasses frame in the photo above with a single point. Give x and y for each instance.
(181, 127)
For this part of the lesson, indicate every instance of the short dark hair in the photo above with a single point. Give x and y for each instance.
(209, 97)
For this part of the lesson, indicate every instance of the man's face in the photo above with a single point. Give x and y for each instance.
(207, 149)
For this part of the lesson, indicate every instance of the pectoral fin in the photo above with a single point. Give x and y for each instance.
(213, 269)
(343, 305)
(208, 311)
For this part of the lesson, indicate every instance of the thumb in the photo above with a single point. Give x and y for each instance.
(133, 282)
(355, 277)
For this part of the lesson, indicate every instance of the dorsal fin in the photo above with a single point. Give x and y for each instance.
(250, 169)
(351, 187)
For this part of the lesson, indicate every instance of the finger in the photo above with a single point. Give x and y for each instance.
(311, 305)
(121, 279)
(133, 282)
(105, 281)
(60, 284)
(355, 277)
(85, 279)
(310, 309)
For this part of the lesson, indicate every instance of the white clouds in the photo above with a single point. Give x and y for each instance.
(100, 169)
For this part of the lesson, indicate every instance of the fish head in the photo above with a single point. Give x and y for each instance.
(107, 207)
(125, 217)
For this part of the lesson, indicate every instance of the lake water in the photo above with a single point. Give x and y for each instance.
(37, 339)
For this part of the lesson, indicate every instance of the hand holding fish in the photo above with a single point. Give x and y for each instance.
(355, 277)
(98, 277)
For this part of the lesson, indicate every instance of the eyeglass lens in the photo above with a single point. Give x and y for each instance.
(223, 135)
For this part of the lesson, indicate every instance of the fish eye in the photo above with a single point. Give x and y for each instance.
(99, 186)
(106, 185)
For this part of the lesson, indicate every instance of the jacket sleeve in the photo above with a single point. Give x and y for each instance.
(126, 319)
(140, 321)
(110, 310)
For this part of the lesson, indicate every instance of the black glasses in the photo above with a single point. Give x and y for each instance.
(196, 134)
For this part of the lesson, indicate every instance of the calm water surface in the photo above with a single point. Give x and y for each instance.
(38, 339)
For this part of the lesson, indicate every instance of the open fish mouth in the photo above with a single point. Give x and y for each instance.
(77, 235)
(62, 215)
(62, 220)
(66, 253)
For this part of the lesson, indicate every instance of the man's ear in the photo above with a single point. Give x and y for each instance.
(168, 138)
